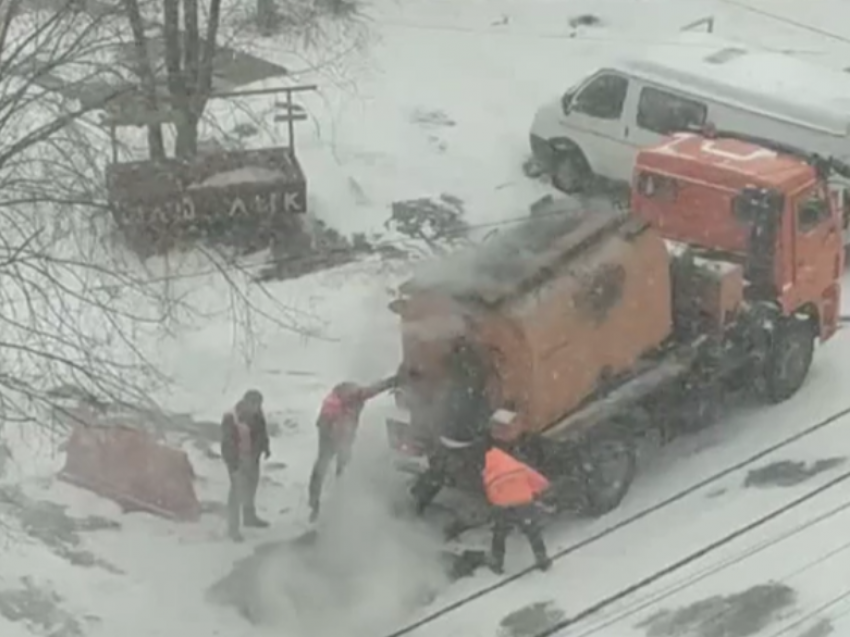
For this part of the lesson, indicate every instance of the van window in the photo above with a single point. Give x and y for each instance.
(662, 112)
(812, 211)
(603, 98)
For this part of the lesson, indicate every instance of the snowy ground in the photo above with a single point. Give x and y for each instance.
(441, 104)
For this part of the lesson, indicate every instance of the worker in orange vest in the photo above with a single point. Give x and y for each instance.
(244, 438)
(337, 423)
(512, 489)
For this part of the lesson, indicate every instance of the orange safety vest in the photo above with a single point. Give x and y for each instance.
(243, 436)
(332, 407)
(508, 482)
(343, 415)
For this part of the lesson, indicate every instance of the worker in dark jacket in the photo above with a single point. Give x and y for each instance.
(244, 438)
(337, 423)
(512, 489)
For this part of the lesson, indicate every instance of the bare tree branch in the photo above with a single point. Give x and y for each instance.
(156, 143)
(62, 321)
(74, 312)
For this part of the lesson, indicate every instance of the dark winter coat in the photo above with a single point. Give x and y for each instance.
(256, 423)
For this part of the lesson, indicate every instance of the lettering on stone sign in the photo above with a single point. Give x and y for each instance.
(290, 202)
(158, 214)
(238, 208)
(262, 204)
(265, 206)
(187, 209)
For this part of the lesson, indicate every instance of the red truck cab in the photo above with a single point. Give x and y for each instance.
(753, 204)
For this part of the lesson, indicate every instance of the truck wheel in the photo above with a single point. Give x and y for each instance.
(701, 407)
(570, 173)
(789, 359)
(608, 467)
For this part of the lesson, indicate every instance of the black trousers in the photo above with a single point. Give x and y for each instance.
(526, 518)
(426, 487)
(332, 445)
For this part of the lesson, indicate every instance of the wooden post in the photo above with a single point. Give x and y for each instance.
(113, 137)
(290, 123)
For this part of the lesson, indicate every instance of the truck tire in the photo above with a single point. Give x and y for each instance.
(789, 359)
(608, 467)
(570, 172)
(700, 407)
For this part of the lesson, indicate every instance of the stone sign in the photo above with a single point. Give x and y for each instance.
(209, 196)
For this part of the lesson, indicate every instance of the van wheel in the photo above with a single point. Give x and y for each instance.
(789, 359)
(608, 467)
(570, 173)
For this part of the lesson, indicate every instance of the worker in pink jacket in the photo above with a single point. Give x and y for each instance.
(338, 420)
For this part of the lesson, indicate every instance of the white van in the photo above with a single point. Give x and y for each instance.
(597, 127)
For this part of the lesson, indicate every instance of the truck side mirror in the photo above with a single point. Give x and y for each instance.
(567, 102)
(809, 217)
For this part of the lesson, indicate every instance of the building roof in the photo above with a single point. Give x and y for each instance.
(775, 83)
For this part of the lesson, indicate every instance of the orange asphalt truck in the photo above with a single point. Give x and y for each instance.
(591, 326)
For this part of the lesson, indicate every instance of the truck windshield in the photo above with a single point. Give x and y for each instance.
(761, 210)
(754, 204)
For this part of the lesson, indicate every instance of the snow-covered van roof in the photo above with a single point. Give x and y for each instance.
(733, 73)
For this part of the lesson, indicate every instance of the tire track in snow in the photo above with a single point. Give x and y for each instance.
(689, 559)
(654, 599)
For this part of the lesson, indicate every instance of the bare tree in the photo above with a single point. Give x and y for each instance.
(73, 312)
(188, 62)
(317, 23)
(306, 23)
(69, 316)
(175, 73)
(145, 72)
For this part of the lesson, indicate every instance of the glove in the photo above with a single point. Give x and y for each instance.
(546, 506)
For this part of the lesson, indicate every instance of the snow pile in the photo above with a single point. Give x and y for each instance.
(239, 176)
(370, 569)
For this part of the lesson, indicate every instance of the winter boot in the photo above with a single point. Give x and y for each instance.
(544, 563)
(252, 520)
(497, 548)
(496, 563)
(542, 560)
(314, 494)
